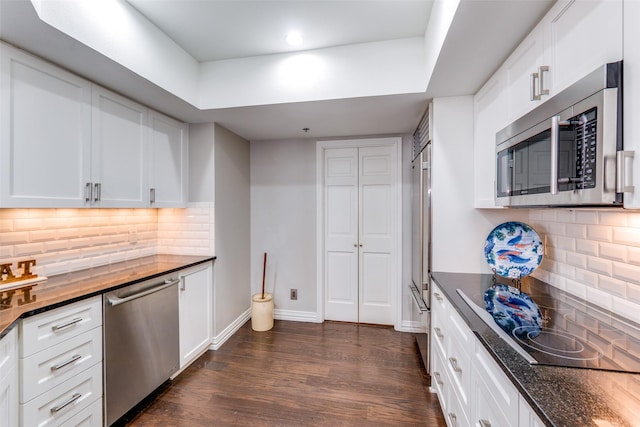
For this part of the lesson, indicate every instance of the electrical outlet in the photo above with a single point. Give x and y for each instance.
(294, 294)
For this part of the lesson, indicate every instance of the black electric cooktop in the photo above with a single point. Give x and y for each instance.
(575, 333)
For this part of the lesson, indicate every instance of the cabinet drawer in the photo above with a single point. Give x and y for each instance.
(56, 364)
(8, 352)
(439, 380)
(455, 414)
(502, 390)
(90, 417)
(458, 356)
(61, 403)
(52, 327)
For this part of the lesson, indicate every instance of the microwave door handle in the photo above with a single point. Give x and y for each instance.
(555, 133)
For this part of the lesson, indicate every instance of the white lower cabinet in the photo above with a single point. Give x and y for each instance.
(472, 389)
(61, 366)
(195, 316)
(9, 380)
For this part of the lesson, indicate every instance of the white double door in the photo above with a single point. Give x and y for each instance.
(361, 213)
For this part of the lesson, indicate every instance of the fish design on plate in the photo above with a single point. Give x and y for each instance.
(513, 310)
(513, 249)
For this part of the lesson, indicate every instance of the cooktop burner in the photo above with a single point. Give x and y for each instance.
(575, 333)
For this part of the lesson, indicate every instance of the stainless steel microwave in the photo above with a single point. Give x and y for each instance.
(567, 151)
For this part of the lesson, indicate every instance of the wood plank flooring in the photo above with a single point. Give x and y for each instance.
(301, 374)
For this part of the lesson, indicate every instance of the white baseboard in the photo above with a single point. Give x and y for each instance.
(228, 332)
(297, 316)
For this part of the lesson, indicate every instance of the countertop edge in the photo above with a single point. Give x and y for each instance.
(196, 260)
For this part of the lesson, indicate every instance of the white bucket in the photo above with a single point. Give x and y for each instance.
(262, 312)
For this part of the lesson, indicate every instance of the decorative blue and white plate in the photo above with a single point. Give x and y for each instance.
(513, 310)
(513, 249)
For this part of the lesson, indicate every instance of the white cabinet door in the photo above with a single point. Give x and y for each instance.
(519, 72)
(195, 314)
(360, 203)
(583, 35)
(118, 169)
(168, 161)
(490, 117)
(45, 136)
(632, 96)
(9, 380)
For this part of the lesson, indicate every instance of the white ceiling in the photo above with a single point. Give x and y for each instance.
(212, 30)
(481, 36)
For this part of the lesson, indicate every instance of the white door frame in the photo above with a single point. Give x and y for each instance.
(320, 279)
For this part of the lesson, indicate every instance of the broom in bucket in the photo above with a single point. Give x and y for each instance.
(262, 306)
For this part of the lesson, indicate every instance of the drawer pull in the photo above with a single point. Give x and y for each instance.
(67, 324)
(454, 364)
(438, 332)
(453, 418)
(438, 296)
(68, 362)
(484, 423)
(438, 378)
(59, 408)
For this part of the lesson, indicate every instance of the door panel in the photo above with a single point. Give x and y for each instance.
(341, 234)
(377, 219)
(360, 218)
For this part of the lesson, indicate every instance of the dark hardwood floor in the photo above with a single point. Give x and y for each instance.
(301, 374)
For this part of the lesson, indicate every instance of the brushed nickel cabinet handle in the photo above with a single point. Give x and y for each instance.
(438, 378)
(438, 296)
(88, 192)
(438, 332)
(541, 72)
(484, 423)
(454, 364)
(152, 195)
(98, 192)
(59, 408)
(71, 322)
(453, 418)
(68, 362)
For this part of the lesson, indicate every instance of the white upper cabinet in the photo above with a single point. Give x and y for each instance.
(45, 136)
(631, 106)
(118, 170)
(526, 75)
(65, 142)
(490, 116)
(168, 147)
(582, 36)
(573, 39)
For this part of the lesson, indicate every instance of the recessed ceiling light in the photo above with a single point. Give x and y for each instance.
(294, 38)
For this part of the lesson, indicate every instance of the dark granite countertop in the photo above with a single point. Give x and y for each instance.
(71, 287)
(564, 397)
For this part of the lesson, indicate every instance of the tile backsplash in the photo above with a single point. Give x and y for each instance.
(593, 254)
(64, 240)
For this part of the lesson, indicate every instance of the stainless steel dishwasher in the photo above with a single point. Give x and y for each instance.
(141, 342)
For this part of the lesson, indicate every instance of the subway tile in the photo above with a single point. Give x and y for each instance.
(633, 292)
(535, 214)
(576, 288)
(633, 219)
(600, 265)
(616, 218)
(588, 278)
(561, 242)
(599, 298)
(43, 235)
(555, 228)
(626, 236)
(578, 231)
(557, 280)
(14, 238)
(586, 217)
(634, 255)
(630, 273)
(613, 251)
(576, 259)
(6, 225)
(601, 233)
(566, 215)
(587, 247)
(612, 286)
(6, 251)
(625, 308)
(29, 249)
